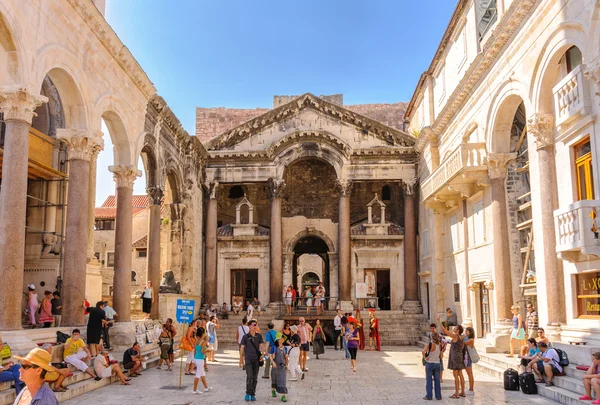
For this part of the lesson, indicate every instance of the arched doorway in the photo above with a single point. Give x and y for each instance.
(315, 246)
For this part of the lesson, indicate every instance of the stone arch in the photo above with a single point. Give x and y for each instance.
(546, 68)
(307, 150)
(111, 109)
(593, 39)
(150, 164)
(173, 178)
(500, 116)
(11, 60)
(291, 243)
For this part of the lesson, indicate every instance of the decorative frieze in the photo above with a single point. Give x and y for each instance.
(81, 144)
(124, 175)
(156, 194)
(19, 104)
(497, 164)
(541, 126)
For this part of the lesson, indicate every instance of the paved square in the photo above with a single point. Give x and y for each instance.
(392, 376)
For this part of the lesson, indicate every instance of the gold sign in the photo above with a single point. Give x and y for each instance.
(588, 294)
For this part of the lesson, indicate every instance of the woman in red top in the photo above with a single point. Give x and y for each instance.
(294, 293)
(46, 316)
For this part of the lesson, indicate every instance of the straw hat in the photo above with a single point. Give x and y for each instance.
(39, 357)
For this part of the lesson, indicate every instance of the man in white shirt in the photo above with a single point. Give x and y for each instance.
(337, 325)
(249, 311)
(548, 363)
(111, 314)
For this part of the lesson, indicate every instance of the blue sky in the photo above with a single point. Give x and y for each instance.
(239, 53)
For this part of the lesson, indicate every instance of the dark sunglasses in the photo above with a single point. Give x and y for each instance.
(28, 366)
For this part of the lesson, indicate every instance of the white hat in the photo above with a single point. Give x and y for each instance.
(31, 286)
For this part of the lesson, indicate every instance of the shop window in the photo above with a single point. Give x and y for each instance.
(105, 225)
(583, 168)
(588, 295)
(110, 259)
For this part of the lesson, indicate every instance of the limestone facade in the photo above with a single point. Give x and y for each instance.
(507, 129)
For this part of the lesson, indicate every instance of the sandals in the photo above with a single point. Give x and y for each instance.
(59, 389)
(539, 381)
(169, 369)
(159, 368)
(128, 379)
(454, 396)
(549, 384)
(125, 383)
(188, 373)
(462, 395)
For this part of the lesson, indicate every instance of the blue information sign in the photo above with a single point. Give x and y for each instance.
(185, 311)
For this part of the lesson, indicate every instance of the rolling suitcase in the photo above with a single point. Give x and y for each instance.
(527, 383)
(511, 380)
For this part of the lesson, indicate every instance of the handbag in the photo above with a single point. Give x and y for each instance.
(186, 345)
(426, 354)
(473, 355)
(261, 360)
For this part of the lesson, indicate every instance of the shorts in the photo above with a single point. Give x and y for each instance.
(199, 368)
(518, 334)
(171, 348)
(129, 365)
(353, 351)
(305, 347)
(540, 367)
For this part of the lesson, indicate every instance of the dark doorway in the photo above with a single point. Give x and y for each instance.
(484, 307)
(244, 284)
(383, 289)
(427, 301)
(311, 245)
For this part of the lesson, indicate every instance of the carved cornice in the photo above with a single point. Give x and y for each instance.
(124, 175)
(391, 136)
(275, 188)
(298, 136)
(19, 104)
(258, 155)
(105, 34)
(497, 164)
(156, 194)
(81, 144)
(345, 186)
(383, 151)
(541, 126)
(464, 190)
(505, 29)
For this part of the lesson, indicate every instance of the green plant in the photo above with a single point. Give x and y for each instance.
(165, 221)
(415, 133)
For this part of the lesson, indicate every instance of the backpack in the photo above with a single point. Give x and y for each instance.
(563, 358)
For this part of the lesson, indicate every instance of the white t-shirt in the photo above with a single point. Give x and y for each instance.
(553, 354)
(250, 311)
(242, 330)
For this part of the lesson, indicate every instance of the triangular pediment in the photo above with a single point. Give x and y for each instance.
(387, 135)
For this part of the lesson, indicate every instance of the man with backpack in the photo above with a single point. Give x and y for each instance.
(547, 363)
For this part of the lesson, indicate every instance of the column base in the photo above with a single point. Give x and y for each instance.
(412, 307)
(122, 335)
(498, 340)
(275, 308)
(553, 332)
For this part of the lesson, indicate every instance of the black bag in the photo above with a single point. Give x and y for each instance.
(61, 337)
(527, 383)
(261, 359)
(511, 380)
(60, 365)
(562, 355)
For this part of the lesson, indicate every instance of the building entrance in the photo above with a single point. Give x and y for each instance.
(244, 284)
(312, 245)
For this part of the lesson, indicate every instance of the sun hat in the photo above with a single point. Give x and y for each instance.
(32, 286)
(39, 357)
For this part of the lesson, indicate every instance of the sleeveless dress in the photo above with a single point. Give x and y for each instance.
(456, 358)
(278, 374)
(318, 343)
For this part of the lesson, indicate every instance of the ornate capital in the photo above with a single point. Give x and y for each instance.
(345, 186)
(80, 143)
(409, 186)
(19, 104)
(497, 164)
(275, 188)
(156, 194)
(124, 175)
(592, 72)
(489, 284)
(541, 126)
(211, 189)
(474, 287)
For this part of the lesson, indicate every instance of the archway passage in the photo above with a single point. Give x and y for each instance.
(312, 245)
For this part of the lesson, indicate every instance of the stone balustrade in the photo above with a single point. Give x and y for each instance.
(466, 157)
(572, 97)
(576, 241)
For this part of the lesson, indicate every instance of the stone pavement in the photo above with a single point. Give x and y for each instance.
(393, 376)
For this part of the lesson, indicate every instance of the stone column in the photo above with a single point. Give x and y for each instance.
(91, 209)
(502, 270)
(18, 106)
(334, 287)
(411, 281)
(550, 278)
(153, 262)
(439, 277)
(275, 254)
(50, 239)
(81, 146)
(210, 275)
(344, 248)
(124, 177)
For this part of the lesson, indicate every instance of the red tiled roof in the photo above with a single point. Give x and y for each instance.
(227, 230)
(108, 210)
(393, 229)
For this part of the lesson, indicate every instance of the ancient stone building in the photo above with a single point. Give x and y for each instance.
(309, 177)
(506, 118)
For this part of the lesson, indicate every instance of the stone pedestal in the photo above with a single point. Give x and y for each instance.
(122, 335)
(346, 306)
(412, 307)
(499, 339)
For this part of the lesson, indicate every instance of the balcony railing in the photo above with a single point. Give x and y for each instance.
(572, 97)
(576, 239)
(467, 157)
